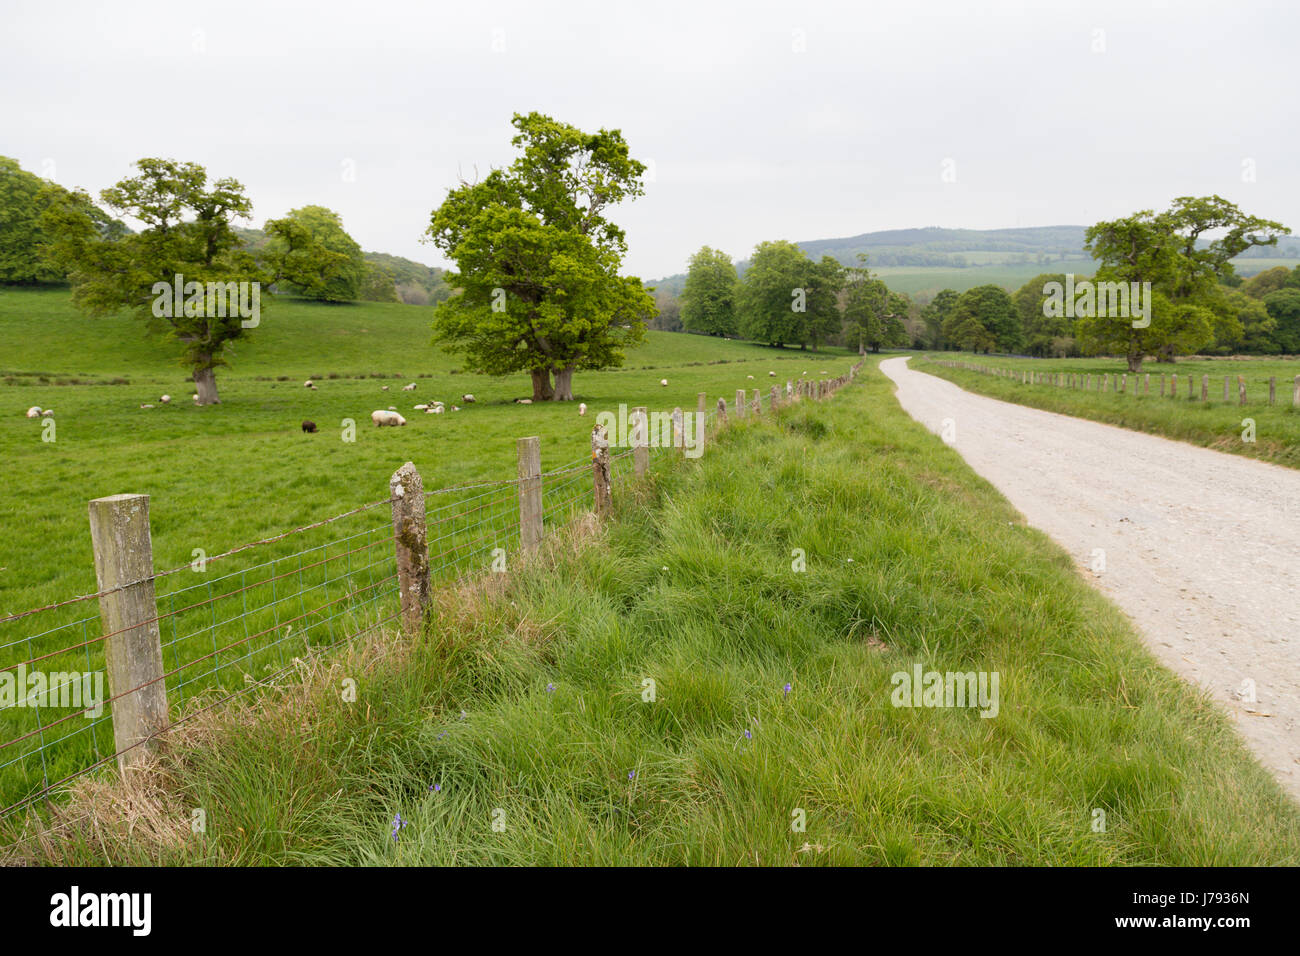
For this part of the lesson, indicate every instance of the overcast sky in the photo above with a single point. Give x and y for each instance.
(759, 120)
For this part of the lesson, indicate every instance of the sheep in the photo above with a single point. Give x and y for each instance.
(146, 406)
(772, 374)
(309, 427)
(392, 408)
(419, 408)
(47, 413)
(34, 412)
(390, 417)
(383, 388)
(582, 408)
(165, 399)
(409, 388)
(195, 396)
(749, 376)
(523, 401)
(307, 384)
(455, 408)
(434, 410)
(663, 381)
(468, 399)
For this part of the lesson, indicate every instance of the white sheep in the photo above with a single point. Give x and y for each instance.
(455, 408)
(34, 412)
(663, 381)
(409, 388)
(307, 384)
(523, 401)
(383, 388)
(434, 410)
(582, 408)
(749, 376)
(772, 374)
(390, 417)
(165, 399)
(468, 399)
(47, 413)
(195, 396)
(146, 406)
(420, 408)
(392, 408)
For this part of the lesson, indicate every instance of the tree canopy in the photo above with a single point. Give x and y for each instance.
(709, 296)
(313, 256)
(538, 260)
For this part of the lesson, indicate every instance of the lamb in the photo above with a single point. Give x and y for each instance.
(165, 399)
(309, 427)
(455, 408)
(419, 408)
(392, 408)
(47, 413)
(772, 374)
(582, 408)
(409, 388)
(146, 406)
(390, 417)
(663, 381)
(468, 399)
(749, 376)
(307, 384)
(434, 410)
(523, 401)
(383, 388)
(34, 412)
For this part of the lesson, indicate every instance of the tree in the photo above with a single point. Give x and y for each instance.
(1185, 271)
(314, 256)
(986, 307)
(1284, 308)
(187, 234)
(708, 302)
(379, 285)
(822, 284)
(873, 314)
(24, 199)
(935, 314)
(773, 297)
(1039, 331)
(538, 262)
(1270, 280)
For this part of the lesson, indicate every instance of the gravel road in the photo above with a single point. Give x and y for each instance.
(1201, 548)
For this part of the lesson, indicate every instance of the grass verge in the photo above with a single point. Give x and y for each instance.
(519, 731)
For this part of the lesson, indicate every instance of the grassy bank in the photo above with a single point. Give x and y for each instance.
(526, 707)
(1214, 423)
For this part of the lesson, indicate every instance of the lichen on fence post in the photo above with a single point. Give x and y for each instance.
(600, 471)
(406, 489)
(123, 546)
(640, 441)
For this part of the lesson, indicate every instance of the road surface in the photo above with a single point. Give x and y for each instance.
(1201, 548)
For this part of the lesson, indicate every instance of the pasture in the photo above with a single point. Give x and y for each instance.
(224, 475)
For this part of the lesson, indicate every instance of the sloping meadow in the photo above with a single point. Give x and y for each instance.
(728, 674)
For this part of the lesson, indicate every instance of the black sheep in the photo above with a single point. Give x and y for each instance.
(309, 427)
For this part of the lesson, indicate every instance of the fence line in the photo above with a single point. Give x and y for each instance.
(243, 629)
(1118, 383)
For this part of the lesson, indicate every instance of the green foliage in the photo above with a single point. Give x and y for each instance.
(311, 255)
(1284, 309)
(1166, 249)
(935, 314)
(873, 314)
(538, 262)
(823, 281)
(187, 232)
(1041, 333)
(772, 291)
(24, 236)
(982, 319)
(708, 300)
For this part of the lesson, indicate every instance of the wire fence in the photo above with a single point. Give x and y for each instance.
(254, 612)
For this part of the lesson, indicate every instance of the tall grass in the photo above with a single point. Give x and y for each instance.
(525, 705)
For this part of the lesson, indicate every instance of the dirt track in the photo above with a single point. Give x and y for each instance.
(1202, 548)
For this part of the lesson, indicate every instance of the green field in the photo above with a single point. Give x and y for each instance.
(1214, 423)
(526, 704)
(224, 475)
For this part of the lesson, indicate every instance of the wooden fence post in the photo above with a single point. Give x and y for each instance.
(1173, 385)
(1295, 395)
(775, 401)
(1241, 389)
(1146, 383)
(641, 441)
(679, 430)
(758, 403)
(530, 492)
(740, 403)
(1205, 388)
(600, 470)
(1191, 383)
(722, 412)
(119, 534)
(1225, 387)
(1272, 390)
(406, 489)
(1123, 383)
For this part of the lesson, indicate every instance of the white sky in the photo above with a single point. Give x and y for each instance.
(748, 138)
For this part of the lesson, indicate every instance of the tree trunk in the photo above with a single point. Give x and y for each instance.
(1165, 354)
(205, 383)
(542, 391)
(1135, 362)
(564, 384)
